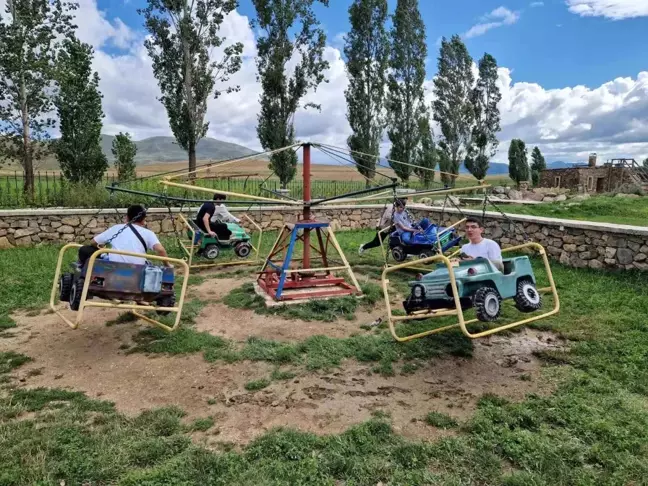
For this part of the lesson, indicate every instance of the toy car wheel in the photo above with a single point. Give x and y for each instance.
(65, 287)
(488, 304)
(75, 295)
(527, 297)
(425, 254)
(166, 301)
(242, 250)
(211, 252)
(398, 253)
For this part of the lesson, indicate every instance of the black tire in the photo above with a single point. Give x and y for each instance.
(243, 249)
(211, 252)
(488, 304)
(166, 301)
(425, 254)
(75, 295)
(65, 287)
(398, 253)
(527, 297)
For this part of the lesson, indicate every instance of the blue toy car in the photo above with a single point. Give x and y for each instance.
(120, 281)
(425, 244)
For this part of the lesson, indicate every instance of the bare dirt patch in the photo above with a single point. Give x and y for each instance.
(239, 324)
(91, 359)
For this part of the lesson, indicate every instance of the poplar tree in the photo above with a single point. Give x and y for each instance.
(30, 35)
(537, 165)
(453, 109)
(518, 165)
(367, 51)
(288, 28)
(182, 37)
(485, 98)
(124, 150)
(406, 105)
(78, 104)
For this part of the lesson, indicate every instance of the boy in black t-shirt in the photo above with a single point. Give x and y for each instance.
(205, 219)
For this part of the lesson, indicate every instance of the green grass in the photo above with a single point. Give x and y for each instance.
(441, 420)
(592, 430)
(201, 425)
(255, 385)
(602, 209)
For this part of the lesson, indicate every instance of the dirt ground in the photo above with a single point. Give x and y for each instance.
(93, 359)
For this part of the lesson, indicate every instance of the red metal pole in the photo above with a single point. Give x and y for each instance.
(307, 198)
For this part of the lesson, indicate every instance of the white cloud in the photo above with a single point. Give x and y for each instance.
(497, 18)
(612, 9)
(566, 123)
(537, 4)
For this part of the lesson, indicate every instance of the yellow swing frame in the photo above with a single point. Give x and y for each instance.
(118, 304)
(462, 323)
(189, 247)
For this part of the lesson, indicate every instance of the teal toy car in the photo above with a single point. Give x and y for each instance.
(210, 247)
(480, 285)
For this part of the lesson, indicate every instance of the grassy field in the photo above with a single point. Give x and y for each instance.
(592, 430)
(603, 209)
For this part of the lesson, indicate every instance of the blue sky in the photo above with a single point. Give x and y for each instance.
(547, 44)
(573, 73)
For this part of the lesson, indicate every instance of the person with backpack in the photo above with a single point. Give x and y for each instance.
(132, 236)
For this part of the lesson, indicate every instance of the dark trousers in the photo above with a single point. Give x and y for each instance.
(375, 243)
(85, 252)
(221, 229)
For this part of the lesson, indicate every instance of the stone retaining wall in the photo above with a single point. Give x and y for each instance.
(574, 243)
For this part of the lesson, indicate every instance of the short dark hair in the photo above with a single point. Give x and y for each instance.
(400, 202)
(477, 221)
(136, 213)
(219, 197)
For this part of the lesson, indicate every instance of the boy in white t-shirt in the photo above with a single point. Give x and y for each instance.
(133, 237)
(480, 246)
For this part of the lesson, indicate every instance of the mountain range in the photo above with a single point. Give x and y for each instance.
(166, 149)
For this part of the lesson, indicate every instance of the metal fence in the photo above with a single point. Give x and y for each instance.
(52, 190)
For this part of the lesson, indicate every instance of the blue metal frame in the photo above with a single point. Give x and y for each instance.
(291, 248)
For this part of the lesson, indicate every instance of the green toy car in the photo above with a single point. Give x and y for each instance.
(480, 285)
(210, 247)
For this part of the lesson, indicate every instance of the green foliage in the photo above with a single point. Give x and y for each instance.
(428, 156)
(30, 34)
(124, 150)
(441, 420)
(255, 385)
(182, 36)
(645, 163)
(10, 360)
(201, 425)
(406, 102)
(78, 104)
(518, 165)
(452, 107)
(282, 93)
(537, 165)
(367, 51)
(484, 98)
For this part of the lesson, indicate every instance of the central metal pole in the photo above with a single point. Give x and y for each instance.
(307, 199)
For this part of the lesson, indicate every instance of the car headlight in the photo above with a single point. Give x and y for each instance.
(418, 291)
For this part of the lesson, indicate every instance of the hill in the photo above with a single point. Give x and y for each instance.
(165, 149)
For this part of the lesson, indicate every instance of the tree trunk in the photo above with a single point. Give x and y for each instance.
(27, 162)
(192, 159)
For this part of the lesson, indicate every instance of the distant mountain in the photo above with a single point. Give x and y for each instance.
(165, 149)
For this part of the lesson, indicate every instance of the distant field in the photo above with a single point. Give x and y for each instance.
(259, 168)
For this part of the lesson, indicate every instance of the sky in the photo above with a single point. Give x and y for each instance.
(573, 73)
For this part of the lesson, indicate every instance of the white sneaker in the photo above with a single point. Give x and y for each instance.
(361, 250)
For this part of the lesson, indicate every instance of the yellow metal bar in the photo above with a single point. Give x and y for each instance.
(327, 269)
(229, 193)
(201, 169)
(117, 305)
(458, 311)
(426, 193)
(344, 260)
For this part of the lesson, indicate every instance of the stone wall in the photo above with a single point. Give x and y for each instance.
(576, 178)
(574, 243)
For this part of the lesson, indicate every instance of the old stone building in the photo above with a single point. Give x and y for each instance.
(591, 178)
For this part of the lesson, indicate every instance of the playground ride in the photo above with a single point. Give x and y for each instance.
(480, 285)
(201, 245)
(431, 241)
(121, 285)
(475, 283)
